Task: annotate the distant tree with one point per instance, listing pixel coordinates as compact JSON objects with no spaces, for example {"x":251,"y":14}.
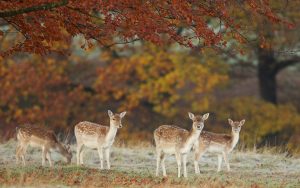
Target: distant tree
{"x":44,"y":23}
{"x":270,"y":48}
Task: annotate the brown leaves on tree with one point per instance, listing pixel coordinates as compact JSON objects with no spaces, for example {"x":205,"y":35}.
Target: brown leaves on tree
{"x":39,"y":92}
{"x":46,"y":22}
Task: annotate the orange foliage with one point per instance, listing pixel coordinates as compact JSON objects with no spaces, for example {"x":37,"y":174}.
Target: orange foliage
{"x":168,"y":82}
{"x":155,"y":86}
{"x":44,"y":23}
{"x":38,"y":91}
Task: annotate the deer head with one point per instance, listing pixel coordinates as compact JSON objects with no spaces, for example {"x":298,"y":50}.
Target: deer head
{"x":67,"y":153}
{"x":116,"y":119}
{"x":198,"y":121}
{"x":236,"y":125}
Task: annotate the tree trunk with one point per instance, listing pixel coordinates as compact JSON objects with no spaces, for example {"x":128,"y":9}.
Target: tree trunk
{"x":267,"y":75}
{"x":267,"y":83}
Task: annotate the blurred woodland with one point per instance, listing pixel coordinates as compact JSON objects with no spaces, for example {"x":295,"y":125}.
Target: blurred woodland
{"x":254,"y":75}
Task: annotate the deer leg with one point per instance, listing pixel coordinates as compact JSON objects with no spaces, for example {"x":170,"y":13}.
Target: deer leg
{"x":48,"y":155}
{"x":79,"y":153}
{"x":158,"y":156}
{"x":198,"y":154}
{"x":163,"y":166}
{"x":219,"y":162}
{"x":226,"y":161}
{"x":184,"y":156}
{"x":18,"y":152}
{"x":197,"y":157}
{"x":178,"y":159}
{"x":100,"y":152}
{"x":199,"y":151}
{"x":81,"y":156}
{"x":22,"y":151}
{"x":43,"y":155}
{"x":107,"y":150}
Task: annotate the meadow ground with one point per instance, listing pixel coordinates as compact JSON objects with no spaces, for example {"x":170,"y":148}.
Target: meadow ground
{"x":135,"y":167}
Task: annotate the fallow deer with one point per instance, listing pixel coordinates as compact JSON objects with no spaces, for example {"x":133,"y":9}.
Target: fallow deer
{"x":98,"y":137}
{"x":175,"y":140}
{"x":221,"y":144}
{"x":31,"y":135}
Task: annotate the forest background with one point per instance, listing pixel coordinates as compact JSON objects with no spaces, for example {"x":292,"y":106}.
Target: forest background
{"x":254,"y":75}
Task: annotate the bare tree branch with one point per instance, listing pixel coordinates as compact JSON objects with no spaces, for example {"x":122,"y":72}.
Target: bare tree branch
{"x":46,"y":6}
{"x":285,"y":63}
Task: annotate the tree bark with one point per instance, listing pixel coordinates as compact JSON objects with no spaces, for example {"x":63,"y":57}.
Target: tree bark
{"x":267,"y":75}
{"x":268,"y":68}
{"x":267,"y":83}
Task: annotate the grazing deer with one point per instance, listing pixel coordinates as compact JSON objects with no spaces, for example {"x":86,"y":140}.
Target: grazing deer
{"x":174,"y":140}
{"x":39,"y":137}
{"x":97,"y":136}
{"x":221,"y":144}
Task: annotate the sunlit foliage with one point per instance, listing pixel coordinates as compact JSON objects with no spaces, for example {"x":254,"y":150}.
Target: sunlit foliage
{"x":168,"y":82}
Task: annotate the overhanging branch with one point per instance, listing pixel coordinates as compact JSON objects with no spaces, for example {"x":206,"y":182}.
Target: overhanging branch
{"x":285,"y":63}
{"x":46,"y":6}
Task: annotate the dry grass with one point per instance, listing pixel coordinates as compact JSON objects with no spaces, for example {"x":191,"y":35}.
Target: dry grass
{"x":135,"y":167}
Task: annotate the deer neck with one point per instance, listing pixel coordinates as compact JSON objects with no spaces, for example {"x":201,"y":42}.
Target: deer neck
{"x":191,"y":139}
{"x":111,"y":133}
{"x":235,"y":138}
{"x":62,"y":150}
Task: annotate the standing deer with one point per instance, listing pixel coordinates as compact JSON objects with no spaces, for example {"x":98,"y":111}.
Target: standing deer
{"x":175,"y":140}
{"x":39,"y":137}
{"x":221,"y":144}
{"x":98,"y":137}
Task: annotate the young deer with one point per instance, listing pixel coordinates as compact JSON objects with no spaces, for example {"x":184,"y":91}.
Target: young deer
{"x":220,"y":144}
{"x":97,"y":136}
{"x":39,"y":137}
{"x":174,"y":140}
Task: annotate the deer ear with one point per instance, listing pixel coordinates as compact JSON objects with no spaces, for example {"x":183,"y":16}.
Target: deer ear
{"x":205,"y":116}
{"x":123,"y":114}
{"x":191,"y":115}
{"x":230,"y":121}
{"x":242,"y":122}
{"x":110,"y":113}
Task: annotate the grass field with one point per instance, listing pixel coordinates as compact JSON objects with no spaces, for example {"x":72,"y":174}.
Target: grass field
{"x":135,"y":167}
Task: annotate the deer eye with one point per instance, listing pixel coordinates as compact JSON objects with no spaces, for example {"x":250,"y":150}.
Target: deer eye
{"x":114,"y":119}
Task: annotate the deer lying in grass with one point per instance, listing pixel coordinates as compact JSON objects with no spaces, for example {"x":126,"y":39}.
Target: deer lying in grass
{"x":220,"y":144}
{"x":97,"y":136}
{"x":174,"y":140}
{"x":39,"y":137}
